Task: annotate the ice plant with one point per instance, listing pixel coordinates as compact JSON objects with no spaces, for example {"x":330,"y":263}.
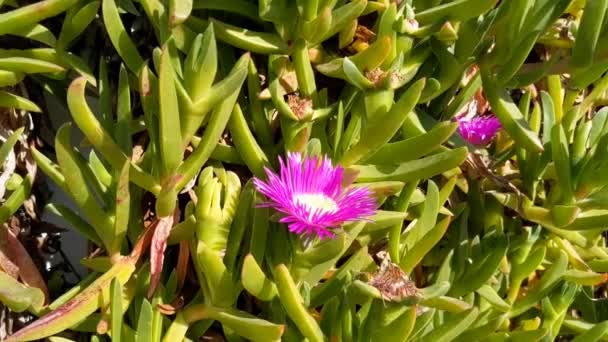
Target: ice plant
{"x":310,"y":193}
{"x":360,"y":81}
{"x":479,"y":130}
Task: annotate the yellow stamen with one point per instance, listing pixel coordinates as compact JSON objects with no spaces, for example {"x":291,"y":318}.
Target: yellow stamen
{"x":316,"y":202}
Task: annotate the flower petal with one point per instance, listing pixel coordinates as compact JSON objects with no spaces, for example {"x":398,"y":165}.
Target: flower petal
{"x":310,"y":194}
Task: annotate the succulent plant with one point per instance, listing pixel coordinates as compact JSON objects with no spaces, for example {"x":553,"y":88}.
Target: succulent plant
{"x":341,"y":170}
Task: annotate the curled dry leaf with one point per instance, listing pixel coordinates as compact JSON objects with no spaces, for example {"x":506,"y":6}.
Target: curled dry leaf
{"x":482,"y":103}
{"x":173,"y":307}
{"x":182,"y":264}
{"x":364,"y":34}
{"x":8,"y":169}
{"x":470,"y":73}
{"x":157,"y":250}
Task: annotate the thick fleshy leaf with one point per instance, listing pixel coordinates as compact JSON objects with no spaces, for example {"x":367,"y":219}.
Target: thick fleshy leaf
{"x":77,"y":186}
{"x":200,"y":66}
{"x":19,"y":297}
{"x":411,"y":257}
{"x":412,"y":170}
{"x":75,"y":221}
{"x":293,"y":303}
{"x":122,"y":130}
{"x":29,"y":65}
{"x":342,"y":16}
{"x":199,"y":109}
{"x":243,"y":8}
{"x":354,"y":76}
{"x":397,"y":323}
{"x":258,"y":42}
{"x":317,"y":272}
{"x":8,"y":145}
{"x":304,"y":71}
{"x":588,"y":33}
{"x":255,"y":282}
{"x":179,"y":11}
{"x":366,"y":60}
{"x":123,"y":204}
{"x":342,"y":277}
{"x":27,"y":15}
{"x":445,"y":303}
{"x":76,"y":309}
{"x":10,"y":78}
{"x":459,"y":10}
{"x":548,"y":281}
{"x":453,"y":327}
{"x":28,"y":273}
{"x":405,"y":72}
{"x":450,"y":71}
{"x":169,"y":118}
{"x":414,"y":147}
{"x":377,"y":134}
{"x":242,"y":323}
{"x":144,"y":322}
{"x":427,"y":219}
{"x":594,"y":334}
{"x":99,"y":137}
{"x":238,"y":210}
{"x":422,"y":322}
{"x":247,"y":146}
{"x":119,"y":36}
{"x":116,"y":311}
{"x":182,"y":231}
{"x":76,"y":22}
{"x":510,"y":117}
{"x":215,"y":127}
{"x":9,"y":100}
{"x":37,"y":33}
{"x":492,"y":250}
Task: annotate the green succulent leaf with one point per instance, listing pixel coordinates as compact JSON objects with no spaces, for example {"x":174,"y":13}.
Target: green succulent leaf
{"x":411,"y":170}
{"x":119,"y":36}
{"x":27,"y":15}
{"x":19,"y":297}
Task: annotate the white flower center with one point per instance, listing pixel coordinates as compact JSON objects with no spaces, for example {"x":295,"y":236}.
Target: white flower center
{"x":316,"y":202}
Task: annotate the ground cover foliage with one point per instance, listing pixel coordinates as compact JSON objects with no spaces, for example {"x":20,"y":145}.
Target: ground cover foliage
{"x":321,"y":170}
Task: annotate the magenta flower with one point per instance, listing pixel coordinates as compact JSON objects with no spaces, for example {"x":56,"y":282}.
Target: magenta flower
{"x":479,"y":130}
{"x":310,"y":195}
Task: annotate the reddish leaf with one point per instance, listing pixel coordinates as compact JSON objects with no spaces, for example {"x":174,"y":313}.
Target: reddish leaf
{"x":182,"y":264}
{"x":157,"y":251}
{"x":28,"y":272}
{"x":8,"y":266}
{"x":143,"y":241}
{"x":85,"y":303}
{"x":171,"y":309}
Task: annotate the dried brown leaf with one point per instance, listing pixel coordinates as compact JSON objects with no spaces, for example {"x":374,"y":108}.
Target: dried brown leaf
{"x":157,"y":251}
{"x":182,"y":264}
